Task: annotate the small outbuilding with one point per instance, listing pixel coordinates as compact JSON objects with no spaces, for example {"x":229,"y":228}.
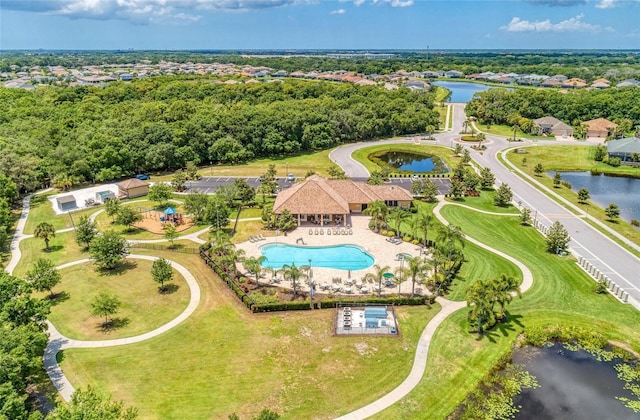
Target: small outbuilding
{"x":66,"y":202}
{"x":104,"y":196}
{"x":132,"y":188}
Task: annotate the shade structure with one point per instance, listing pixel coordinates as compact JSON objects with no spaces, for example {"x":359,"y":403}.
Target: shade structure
{"x":170,"y":210}
{"x":403,"y":256}
{"x":387,"y":275}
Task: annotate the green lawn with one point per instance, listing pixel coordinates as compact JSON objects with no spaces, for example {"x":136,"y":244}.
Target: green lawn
{"x":143,"y":307}
{"x":63,"y":249}
{"x":507,"y":131}
{"x":561,"y":294}
{"x":224,"y":359}
{"x":484,"y":202}
{"x":361,"y":155}
{"x":42,"y":211}
{"x":574,"y":158}
{"x":298,"y":165}
{"x":479,"y":264}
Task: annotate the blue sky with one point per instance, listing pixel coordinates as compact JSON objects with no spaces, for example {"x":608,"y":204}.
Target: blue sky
{"x":319,"y":24}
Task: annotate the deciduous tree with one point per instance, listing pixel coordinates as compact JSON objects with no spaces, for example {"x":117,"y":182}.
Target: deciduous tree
{"x":85,"y":231}
{"x":44,"y":276}
{"x":105,"y":305}
{"x":161,"y":272}
{"x":108,"y":250}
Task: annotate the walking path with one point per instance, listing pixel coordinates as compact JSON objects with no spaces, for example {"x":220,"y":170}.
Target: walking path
{"x":58,"y":342}
{"x":422,"y":350}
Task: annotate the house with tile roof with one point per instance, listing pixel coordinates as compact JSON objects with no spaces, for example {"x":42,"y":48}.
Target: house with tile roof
{"x":330,"y":201}
{"x":552,"y":126}
{"x":600,"y":128}
{"x":131,"y":188}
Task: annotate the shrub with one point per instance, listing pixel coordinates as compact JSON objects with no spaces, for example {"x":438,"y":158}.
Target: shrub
{"x":407,"y":238}
{"x":635,"y":223}
{"x":390,"y":233}
{"x":415,"y":242}
{"x":384,"y":232}
{"x":566,"y":184}
{"x":614,"y":161}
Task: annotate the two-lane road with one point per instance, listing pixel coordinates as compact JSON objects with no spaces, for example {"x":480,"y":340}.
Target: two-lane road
{"x":607,"y":256}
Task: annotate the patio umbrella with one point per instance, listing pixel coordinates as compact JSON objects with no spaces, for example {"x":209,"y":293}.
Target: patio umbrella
{"x":170,"y":211}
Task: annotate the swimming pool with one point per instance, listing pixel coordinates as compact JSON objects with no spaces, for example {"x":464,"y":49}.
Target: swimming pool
{"x":342,"y":257}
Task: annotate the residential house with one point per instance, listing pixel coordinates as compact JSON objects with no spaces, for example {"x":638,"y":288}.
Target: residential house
{"x":453,"y":74}
{"x":628,"y":83}
{"x":600,"y":128}
{"x":430,"y":74}
{"x":552,"y":126}
{"x":330,"y":201}
{"x":600,"y":84}
{"x":417,"y":84}
{"x":280,"y":73}
{"x":551,"y":83}
{"x":574,"y":83}
{"x":628,"y":149}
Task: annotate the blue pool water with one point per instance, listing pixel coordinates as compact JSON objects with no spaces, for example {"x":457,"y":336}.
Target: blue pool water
{"x":342,"y":257}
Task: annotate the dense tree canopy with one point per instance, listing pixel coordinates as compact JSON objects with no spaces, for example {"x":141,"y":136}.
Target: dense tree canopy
{"x":518,"y":107}
{"x":101,"y":133}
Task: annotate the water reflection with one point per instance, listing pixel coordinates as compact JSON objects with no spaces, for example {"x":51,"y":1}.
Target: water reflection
{"x":404,"y":161}
{"x":573,"y":385}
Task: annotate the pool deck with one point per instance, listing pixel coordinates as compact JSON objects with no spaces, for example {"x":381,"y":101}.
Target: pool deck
{"x":382,"y":251}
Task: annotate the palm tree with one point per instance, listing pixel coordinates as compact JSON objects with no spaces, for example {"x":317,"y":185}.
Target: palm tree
{"x":480,"y":299}
{"x":505,"y":288}
{"x":416,"y":268}
{"x":515,"y":131}
{"x":293,"y":273}
{"x":398,"y":216}
{"x":401,"y":273}
{"x":377,"y":275}
{"x":465,"y":125}
{"x":425,"y":221}
{"x":45,"y":231}
{"x":254,"y":266}
{"x":437,"y":262}
{"x":378,"y":212}
{"x":451,"y":235}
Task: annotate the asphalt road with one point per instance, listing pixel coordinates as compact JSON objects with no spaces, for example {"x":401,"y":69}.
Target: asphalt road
{"x":607,"y":256}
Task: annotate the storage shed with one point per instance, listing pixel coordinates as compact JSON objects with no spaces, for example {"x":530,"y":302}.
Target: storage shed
{"x":103,"y":196}
{"x":66,"y":202}
{"x":132,"y":188}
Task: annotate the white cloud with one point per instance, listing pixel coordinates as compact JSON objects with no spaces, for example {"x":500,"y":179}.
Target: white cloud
{"x":356,"y":3}
{"x":606,"y":4}
{"x":395,"y":3}
{"x":562,"y":3}
{"x":574,"y":24}
{"x":141,"y":10}
{"x":338,"y":12}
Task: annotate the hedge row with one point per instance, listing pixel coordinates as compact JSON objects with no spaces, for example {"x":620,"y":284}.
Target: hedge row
{"x":304,"y":305}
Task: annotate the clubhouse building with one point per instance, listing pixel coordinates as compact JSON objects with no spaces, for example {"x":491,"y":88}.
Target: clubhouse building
{"x":322,"y":201}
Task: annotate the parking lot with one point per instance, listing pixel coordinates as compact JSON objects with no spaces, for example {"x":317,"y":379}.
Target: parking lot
{"x":209,"y":185}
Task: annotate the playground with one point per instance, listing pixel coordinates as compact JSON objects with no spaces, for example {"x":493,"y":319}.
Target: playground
{"x":156,"y":221}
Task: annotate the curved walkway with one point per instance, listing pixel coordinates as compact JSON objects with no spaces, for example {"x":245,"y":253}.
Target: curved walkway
{"x":422,"y":350}
{"x":58,"y":342}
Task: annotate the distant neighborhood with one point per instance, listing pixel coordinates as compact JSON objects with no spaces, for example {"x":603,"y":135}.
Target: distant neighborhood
{"x":30,"y":77}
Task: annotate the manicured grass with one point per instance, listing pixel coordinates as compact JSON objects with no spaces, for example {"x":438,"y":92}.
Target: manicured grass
{"x":361,"y":155}
{"x":63,"y":249}
{"x":298,"y":165}
{"x":574,"y":158}
{"x":480,"y":264}
{"x":441,"y":94}
{"x":249,"y":212}
{"x":484,"y":202}
{"x":561,"y":294}
{"x":507,"y":131}
{"x":143,"y":307}
{"x":224,"y":359}
{"x":42,"y":211}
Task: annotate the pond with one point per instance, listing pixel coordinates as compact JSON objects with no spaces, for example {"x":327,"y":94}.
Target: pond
{"x":573,"y":385}
{"x":605,"y":190}
{"x":414,"y":162}
{"x":462,"y":91}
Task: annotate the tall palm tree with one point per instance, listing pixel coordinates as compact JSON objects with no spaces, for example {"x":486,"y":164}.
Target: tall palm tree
{"x":401,"y":274}
{"x":378,"y":212}
{"x":398,"y":216}
{"x":377,"y":275}
{"x":451,"y":235}
{"x":505,"y":288}
{"x":254,"y":266}
{"x":293,"y":273}
{"x":232,"y":257}
{"x":480,"y":298}
{"x":425,"y":221}
{"x":45,"y":231}
{"x":416,"y":270}
{"x":438,"y":261}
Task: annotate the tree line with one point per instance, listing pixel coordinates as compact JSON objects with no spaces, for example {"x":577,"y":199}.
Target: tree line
{"x":588,"y":65}
{"x":98,"y":134}
{"x":521,"y":106}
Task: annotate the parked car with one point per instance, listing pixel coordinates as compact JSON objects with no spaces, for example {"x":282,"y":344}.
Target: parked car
{"x":143,"y":177}
{"x":291,"y":178}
